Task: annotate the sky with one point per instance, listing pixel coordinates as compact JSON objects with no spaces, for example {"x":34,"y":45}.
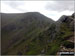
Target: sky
{"x":51,"y":9}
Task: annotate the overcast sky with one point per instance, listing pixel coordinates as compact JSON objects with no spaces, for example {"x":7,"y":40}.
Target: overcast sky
{"x":51,"y":9}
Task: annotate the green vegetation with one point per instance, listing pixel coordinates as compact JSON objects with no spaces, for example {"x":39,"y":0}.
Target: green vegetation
{"x":43,"y":42}
{"x":34,"y":34}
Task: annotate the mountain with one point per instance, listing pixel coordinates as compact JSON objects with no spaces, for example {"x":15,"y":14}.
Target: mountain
{"x":65,"y":27}
{"x":33,"y":34}
{"x":18,"y":29}
{"x":59,"y":37}
{"x":69,"y":20}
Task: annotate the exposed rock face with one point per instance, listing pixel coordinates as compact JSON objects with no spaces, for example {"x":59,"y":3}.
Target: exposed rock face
{"x":69,"y":20}
{"x":66,"y":26}
{"x":73,"y":15}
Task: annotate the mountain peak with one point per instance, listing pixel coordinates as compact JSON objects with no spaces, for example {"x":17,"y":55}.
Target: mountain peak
{"x":73,"y":15}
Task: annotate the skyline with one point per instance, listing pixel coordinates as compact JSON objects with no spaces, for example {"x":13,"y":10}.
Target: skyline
{"x":51,"y":9}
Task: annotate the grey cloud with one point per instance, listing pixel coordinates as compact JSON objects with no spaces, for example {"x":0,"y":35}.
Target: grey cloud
{"x":61,"y":6}
{"x":14,"y":4}
{"x":56,"y":6}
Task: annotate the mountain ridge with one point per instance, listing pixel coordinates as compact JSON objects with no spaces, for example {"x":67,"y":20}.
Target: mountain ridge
{"x":19,"y":26}
{"x":24,"y":32}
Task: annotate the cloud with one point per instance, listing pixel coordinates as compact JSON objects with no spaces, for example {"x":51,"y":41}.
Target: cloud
{"x":51,"y":9}
{"x":8,"y":9}
{"x":61,"y":6}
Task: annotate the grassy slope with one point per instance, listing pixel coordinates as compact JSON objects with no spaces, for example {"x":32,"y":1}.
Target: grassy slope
{"x":36,"y":40}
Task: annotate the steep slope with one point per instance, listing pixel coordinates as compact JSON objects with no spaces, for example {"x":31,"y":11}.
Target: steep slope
{"x":61,"y":33}
{"x":66,"y":32}
{"x":32,"y":34}
{"x":18,"y":30}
